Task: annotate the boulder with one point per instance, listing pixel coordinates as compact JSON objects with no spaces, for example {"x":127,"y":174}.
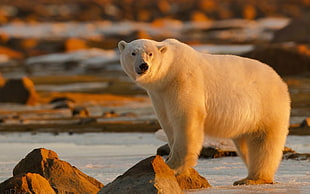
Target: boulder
{"x":2,"y":81}
{"x":206,"y":152}
{"x":297,"y":156}
{"x":192,"y":180}
{"x":297,"y":30}
{"x":63,"y":177}
{"x":150,"y":175}
{"x":286,"y":59}
{"x":305,"y":122}
{"x":35,"y":162}
{"x":26,"y":183}
{"x":13,"y":54}
{"x":18,"y":91}
{"x":289,"y":153}
{"x":163,"y":150}
{"x":73,"y":44}
{"x":211,"y":152}
{"x":153,"y":175}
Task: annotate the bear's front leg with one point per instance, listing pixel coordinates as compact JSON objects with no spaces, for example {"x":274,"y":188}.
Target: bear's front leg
{"x":188,"y":140}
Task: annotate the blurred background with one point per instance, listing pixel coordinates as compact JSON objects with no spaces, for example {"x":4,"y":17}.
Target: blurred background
{"x":61,"y":57}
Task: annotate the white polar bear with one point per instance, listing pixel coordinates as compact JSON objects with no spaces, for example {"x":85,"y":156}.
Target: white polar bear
{"x":196,"y":94}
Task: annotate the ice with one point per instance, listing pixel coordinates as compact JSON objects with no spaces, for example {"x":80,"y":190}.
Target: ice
{"x":105,"y":156}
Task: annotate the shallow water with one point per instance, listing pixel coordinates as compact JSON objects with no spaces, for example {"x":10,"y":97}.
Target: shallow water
{"x":105,"y":156}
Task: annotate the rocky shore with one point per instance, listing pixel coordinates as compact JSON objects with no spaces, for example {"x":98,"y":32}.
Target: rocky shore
{"x":42,"y":170}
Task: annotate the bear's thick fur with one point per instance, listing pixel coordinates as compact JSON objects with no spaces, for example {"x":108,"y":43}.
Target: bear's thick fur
{"x":196,"y":94}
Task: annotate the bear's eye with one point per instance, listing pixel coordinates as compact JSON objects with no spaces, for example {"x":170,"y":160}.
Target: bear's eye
{"x":133,"y":54}
{"x":150,"y":54}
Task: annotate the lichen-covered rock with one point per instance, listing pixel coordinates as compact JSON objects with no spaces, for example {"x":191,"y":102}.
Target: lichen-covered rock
{"x":151,"y":175}
{"x":26,"y":183}
{"x":63,"y":177}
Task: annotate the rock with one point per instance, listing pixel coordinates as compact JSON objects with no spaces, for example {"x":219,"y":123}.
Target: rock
{"x":297,"y":30}
{"x":306,"y":122}
{"x":151,"y":175}
{"x":73,"y":44}
{"x":285,"y":59}
{"x":289,"y":153}
{"x":297,"y":156}
{"x":210,"y":152}
{"x":80,"y":111}
{"x":26,"y":183}
{"x":18,"y":91}
{"x":288,"y":150}
{"x":11,"y":53}
{"x":61,"y":99}
{"x":63,"y":177}
{"x":87,"y":120}
{"x":163,"y":150}
{"x":110,"y":114}
{"x":62,"y":103}
{"x":35,"y":162}
{"x":2,"y":81}
{"x":192,"y":180}
{"x":206,"y":152}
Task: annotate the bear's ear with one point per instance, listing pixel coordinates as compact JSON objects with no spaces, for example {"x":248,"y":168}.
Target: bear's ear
{"x":121,"y":45}
{"x":162,"y":49}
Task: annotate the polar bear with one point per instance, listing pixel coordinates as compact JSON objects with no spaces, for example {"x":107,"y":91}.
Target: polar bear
{"x":196,"y":94}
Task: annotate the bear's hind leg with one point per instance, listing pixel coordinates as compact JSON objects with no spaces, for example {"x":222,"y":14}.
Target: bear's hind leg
{"x":242,"y":148}
{"x":264,"y":155}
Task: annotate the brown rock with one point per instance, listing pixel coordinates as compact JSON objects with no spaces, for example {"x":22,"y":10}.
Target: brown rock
{"x":297,"y":30}
{"x":192,"y":180}
{"x":210,"y":152}
{"x":306,"y":122}
{"x":288,"y":150}
{"x":63,"y":177}
{"x":206,"y":152}
{"x":11,"y":53}
{"x":163,"y":150}
{"x":18,"y":91}
{"x":2,"y":81}
{"x":26,"y":183}
{"x":297,"y":156}
{"x":285,"y":59}
{"x":151,"y":175}
{"x":35,"y":162}
{"x":73,"y":44}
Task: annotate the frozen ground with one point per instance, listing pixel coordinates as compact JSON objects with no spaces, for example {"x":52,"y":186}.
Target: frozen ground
{"x":104,"y":156}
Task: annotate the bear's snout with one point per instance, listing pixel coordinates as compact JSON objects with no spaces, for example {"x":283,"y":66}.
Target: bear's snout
{"x":143,"y":68}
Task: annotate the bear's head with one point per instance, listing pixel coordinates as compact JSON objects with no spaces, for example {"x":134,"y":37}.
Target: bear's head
{"x":142,"y":59}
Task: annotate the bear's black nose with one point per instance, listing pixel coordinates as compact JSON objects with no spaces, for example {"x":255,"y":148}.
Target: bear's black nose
{"x":143,"y":67}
